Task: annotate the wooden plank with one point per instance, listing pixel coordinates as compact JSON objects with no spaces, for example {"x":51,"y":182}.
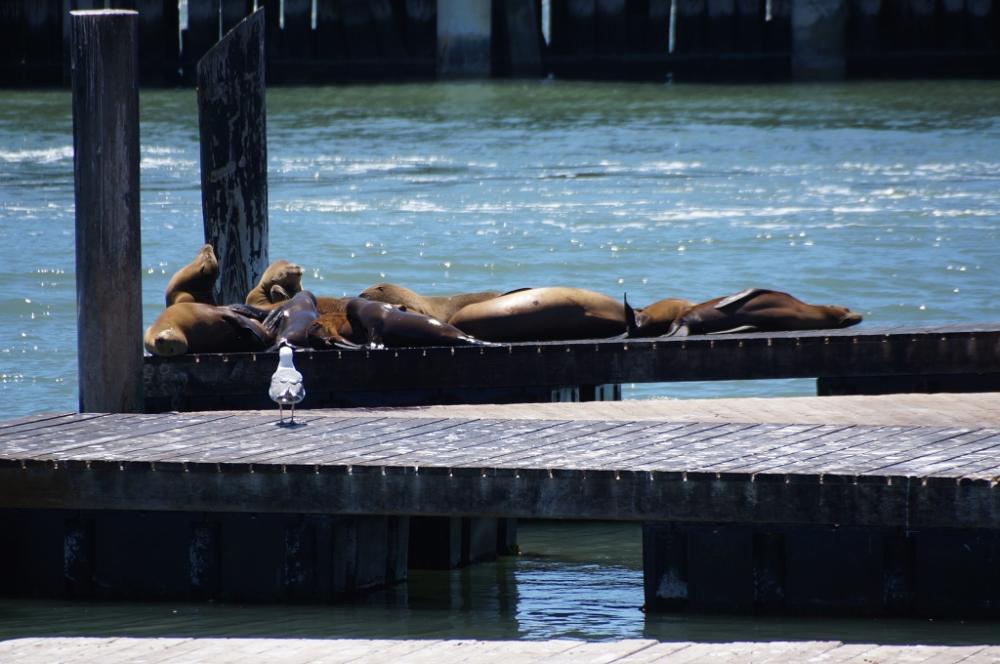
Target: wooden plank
{"x":332,"y":452}
{"x":34,"y":422}
{"x":105,"y":85}
{"x":233,"y":137}
{"x":943,"y":458}
{"x":97,"y":442}
{"x":223,"y":445}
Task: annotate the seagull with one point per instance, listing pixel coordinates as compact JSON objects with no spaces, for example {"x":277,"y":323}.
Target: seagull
{"x":286,"y":384}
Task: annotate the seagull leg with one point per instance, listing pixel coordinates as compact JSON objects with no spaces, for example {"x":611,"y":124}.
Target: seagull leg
{"x":281,"y":414}
{"x":292,"y":420}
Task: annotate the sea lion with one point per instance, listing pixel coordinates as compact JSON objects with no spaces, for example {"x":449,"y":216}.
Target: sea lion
{"x":654,"y":320}
{"x":280,"y":281}
{"x":441,"y":307}
{"x":290,"y":321}
{"x":384,"y":325}
{"x":758,"y":309}
{"x":194,"y":327}
{"x":195,"y":281}
{"x":333,"y":330}
{"x":543,"y":314}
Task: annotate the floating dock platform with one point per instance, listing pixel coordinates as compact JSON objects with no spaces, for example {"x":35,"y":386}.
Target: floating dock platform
{"x":887,"y":518}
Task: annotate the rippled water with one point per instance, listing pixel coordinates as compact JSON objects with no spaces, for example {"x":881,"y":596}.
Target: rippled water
{"x":884,"y":197}
{"x":880,"y":196}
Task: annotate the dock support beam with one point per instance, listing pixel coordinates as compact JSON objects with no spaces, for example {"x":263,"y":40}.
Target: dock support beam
{"x":818,"y":40}
{"x":821,"y":569}
{"x":233,"y":136}
{"x":105,"y":82}
{"x":463,"y":38}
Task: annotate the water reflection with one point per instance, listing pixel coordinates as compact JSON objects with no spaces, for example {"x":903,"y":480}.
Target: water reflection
{"x":573,"y":580}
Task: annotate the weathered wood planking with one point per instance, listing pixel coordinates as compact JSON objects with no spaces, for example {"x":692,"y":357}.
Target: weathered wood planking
{"x":442,"y":375}
{"x":334,"y":651}
{"x":642,"y":470}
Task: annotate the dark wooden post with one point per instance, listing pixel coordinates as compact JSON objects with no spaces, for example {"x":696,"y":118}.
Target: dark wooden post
{"x":233,"y":134}
{"x":105,"y":81}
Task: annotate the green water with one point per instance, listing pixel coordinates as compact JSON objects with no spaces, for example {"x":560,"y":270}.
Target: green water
{"x":884,"y":197}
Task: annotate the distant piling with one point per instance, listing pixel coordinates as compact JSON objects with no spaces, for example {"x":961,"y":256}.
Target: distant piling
{"x":105,"y":83}
{"x":464,"y":38}
{"x":819,"y":40}
{"x":233,"y":136}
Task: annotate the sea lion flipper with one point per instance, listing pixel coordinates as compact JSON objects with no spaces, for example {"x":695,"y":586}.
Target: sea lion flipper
{"x":678,"y":330}
{"x":631,"y":326}
{"x":737,"y":298}
{"x":250,"y":325}
{"x":249,"y":311}
{"x":737,"y":330}
{"x":278,"y":294}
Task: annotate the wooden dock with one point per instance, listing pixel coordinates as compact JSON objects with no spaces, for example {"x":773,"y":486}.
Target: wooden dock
{"x":954,"y":358}
{"x":899,"y":518}
{"x":342,"y":651}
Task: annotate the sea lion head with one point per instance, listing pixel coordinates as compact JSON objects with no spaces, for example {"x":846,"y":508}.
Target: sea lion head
{"x":168,"y":343}
{"x":280,"y":281}
{"x":843,"y":316}
{"x":194,"y":282}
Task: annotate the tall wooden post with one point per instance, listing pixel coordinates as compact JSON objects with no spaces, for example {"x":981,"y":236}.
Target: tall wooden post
{"x":463,"y":38}
{"x":233,"y":134}
{"x":105,"y":81}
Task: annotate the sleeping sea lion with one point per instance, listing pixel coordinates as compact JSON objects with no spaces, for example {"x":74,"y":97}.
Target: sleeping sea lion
{"x":384,"y":325}
{"x":195,"y":281}
{"x":193,"y":327}
{"x":280,"y":281}
{"x":543,"y":314}
{"x":654,"y":320}
{"x":758,"y":309}
{"x":333,"y":330}
{"x":441,"y":307}
{"x":290,"y":321}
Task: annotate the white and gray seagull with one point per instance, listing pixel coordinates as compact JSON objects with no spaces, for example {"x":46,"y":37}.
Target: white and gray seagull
{"x":286,"y":384}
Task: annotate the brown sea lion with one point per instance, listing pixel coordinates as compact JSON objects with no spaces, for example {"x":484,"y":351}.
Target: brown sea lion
{"x":441,"y":307}
{"x":290,"y":321}
{"x":384,"y":325}
{"x":193,"y":327}
{"x":758,"y":309}
{"x":195,"y":281}
{"x":543,"y":314}
{"x":280,"y":281}
{"x":332,"y":329}
{"x":655,"y":320}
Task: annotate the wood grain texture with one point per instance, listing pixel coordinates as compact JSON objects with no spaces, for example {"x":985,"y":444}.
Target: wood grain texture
{"x":233,"y":136}
{"x":105,"y":84}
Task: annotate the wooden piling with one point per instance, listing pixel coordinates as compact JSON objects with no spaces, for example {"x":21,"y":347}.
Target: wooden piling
{"x":105,"y":86}
{"x":463,"y":38}
{"x":818,"y":39}
{"x":233,"y":134}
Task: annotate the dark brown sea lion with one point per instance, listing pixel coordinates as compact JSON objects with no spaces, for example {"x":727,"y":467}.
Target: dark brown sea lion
{"x":280,"y":281}
{"x":543,"y":314}
{"x":757,"y":309}
{"x":290,"y":321}
{"x":193,"y":327}
{"x":441,"y":307}
{"x":195,"y":281}
{"x":655,"y":320}
{"x":384,"y":325}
